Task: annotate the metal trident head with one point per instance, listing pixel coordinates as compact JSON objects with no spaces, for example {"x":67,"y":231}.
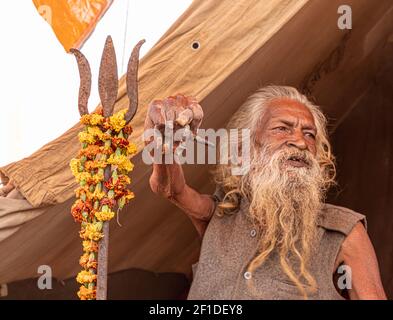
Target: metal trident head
{"x":108,"y":80}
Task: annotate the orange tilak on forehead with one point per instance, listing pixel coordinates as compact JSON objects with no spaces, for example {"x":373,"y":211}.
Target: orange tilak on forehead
{"x":288,"y":109}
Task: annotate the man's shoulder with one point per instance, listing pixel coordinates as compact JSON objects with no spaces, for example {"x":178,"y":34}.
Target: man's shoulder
{"x":341,"y":219}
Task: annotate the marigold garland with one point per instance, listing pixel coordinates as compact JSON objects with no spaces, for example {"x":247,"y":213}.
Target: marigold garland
{"x":104,"y":143}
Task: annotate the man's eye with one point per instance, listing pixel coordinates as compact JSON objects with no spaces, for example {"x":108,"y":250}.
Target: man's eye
{"x":310,"y":135}
{"x":281,"y":128}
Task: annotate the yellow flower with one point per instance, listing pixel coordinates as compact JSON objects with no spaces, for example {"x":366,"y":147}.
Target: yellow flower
{"x":98,"y":195}
{"x":121,"y":161}
{"x":105,"y":136}
{"x":92,"y":232}
{"x":95,"y":131}
{"x":90,"y":246}
{"x":125,"y":179}
{"x":104,"y":216}
{"x":82,"y":176}
{"x":98,"y":178}
{"x":131,"y":149}
{"x":86,"y":277}
{"x":74,"y":165}
{"x":130,"y":196}
{"x":95,"y":164}
{"x":96,"y":119}
{"x":92,"y":119}
{"x":86,"y":137}
{"x":117,"y":121}
{"x":85,"y":119}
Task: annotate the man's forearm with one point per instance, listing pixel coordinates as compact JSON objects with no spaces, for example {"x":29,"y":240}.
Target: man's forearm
{"x":168,"y":181}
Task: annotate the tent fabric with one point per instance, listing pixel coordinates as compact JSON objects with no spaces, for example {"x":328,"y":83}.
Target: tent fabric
{"x":171,"y":66}
{"x":365,"y":166}
{"x":242,"y":45}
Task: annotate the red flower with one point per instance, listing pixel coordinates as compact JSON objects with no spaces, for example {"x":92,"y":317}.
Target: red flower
{"x":109,"y":202}
{"x":120,"y":142}
{"x":109,"y":184}
{"x":127,"y":130}
{"x":79,"y":207}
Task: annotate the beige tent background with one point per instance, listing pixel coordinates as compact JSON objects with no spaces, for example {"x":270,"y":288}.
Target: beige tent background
{"x":242,"y":45}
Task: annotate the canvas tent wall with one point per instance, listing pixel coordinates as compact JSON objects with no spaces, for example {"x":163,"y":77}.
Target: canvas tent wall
{"x":242,"y":45}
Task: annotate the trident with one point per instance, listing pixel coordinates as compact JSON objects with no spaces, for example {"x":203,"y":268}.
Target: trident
{"x":107,"y":88}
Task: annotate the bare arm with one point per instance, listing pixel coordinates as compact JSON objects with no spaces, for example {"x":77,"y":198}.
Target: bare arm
{"x":168,"y":179}
{"x":358,"y":253}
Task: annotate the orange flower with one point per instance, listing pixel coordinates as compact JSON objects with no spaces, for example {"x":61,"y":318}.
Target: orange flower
{"x":92,"y":231}
{"x":76,"y":211}
{"x":87,"y":263}
{"x":87,"y":294}
{"x":81,"y":190}
{"x":90,"y":246}
{"x":109,"y":202}
{"x":94,"y":164}
{"x":84,"y":260}
{"x":79,"y":207}
{"x":90,"y":152}
{"x":86,"y":277}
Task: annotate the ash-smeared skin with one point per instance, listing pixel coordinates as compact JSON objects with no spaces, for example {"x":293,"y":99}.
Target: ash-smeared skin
{"x":168,"y":179}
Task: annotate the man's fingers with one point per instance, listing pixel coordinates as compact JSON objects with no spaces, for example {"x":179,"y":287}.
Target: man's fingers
{"x":155,"y":112}
{"x":169,"y":114}
{"x":154,"y":119}
{"x":184,"y":117}
{"x":197,"y":117}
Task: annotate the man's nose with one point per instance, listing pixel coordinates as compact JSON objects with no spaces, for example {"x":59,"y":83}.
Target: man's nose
{"x":297,"y":140}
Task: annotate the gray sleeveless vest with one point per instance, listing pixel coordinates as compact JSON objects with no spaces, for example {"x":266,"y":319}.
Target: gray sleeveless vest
{"x":231,"y":242}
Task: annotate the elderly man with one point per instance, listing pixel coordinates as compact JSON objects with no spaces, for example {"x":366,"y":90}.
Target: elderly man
{"x":268,"y":234}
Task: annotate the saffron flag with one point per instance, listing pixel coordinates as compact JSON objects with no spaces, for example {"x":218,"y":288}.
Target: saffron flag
{"x":72,"y":20}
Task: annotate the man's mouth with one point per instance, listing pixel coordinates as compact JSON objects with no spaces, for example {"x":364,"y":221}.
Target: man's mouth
{"x":296,"y":161}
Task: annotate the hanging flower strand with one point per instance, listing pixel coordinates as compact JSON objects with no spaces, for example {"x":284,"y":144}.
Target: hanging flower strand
{"x":104,"y":143}
{"x":102,"y":166}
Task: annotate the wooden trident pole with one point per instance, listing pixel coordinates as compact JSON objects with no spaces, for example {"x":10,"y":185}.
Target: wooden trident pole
{"x":108,"y":89}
